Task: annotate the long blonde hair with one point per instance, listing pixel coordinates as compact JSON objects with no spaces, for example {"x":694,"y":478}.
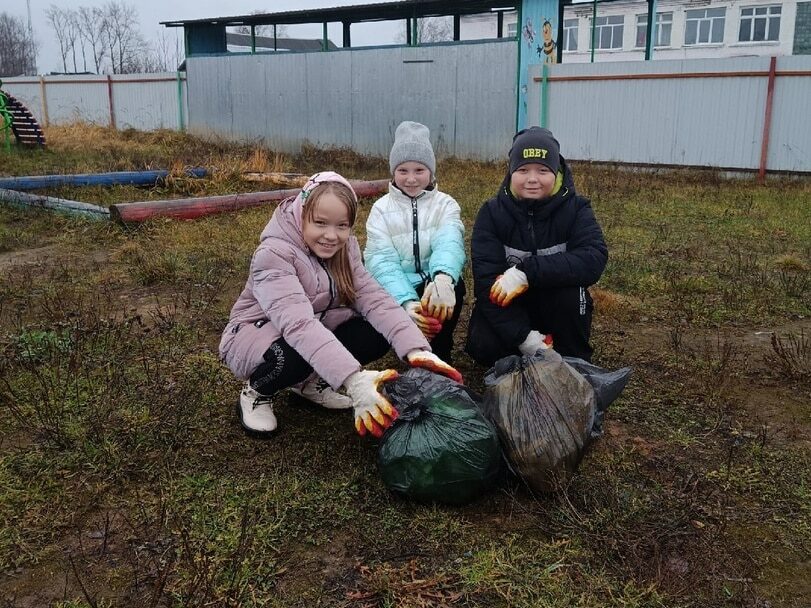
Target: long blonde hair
{"x":338,"y":265}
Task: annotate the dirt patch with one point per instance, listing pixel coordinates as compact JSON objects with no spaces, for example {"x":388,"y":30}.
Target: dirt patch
{"x":623,"y":435}
{"x":81,"y":561}
{"x":776,"y":405}
{"x":28,"y":256}
{"x":44,"y":254}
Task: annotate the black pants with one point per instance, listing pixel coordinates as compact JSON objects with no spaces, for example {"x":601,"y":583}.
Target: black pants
{"x":564,"y":312}
{"x":442,"y":344}
{"x":284,"y":367}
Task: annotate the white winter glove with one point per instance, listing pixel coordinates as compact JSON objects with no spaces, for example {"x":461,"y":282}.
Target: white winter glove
{"x":373,"y":412}
{"x":508,"y":286}
{"x":429,"y":326}
{"x":439,"y":299}
{"x":535,"y":341}
{"x":428,"y":360}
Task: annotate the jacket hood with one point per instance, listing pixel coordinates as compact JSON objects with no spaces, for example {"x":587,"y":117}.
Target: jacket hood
{"x":544,"y":206}
{"x":286,"y":220}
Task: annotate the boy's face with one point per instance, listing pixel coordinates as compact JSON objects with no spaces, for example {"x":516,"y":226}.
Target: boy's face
{"x":412,"y":177}
{"x":532,"y":181}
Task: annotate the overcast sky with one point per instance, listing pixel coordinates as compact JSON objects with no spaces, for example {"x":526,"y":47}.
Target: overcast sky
{"x":152,"y":12}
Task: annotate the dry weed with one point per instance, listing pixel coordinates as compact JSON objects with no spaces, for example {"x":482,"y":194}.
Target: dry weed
{"x":612,"y":305}
{"x":791,"y":355}
{"x":791,"y":263}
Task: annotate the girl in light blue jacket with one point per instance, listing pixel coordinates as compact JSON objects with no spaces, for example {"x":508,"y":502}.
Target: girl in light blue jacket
{"x":415,"y":244}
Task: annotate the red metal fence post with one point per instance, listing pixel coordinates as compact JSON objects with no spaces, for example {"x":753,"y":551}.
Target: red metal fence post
{"x":767,"y":122}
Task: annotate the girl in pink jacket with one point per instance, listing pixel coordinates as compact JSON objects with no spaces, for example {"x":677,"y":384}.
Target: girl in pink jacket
{"x":309,"y":305}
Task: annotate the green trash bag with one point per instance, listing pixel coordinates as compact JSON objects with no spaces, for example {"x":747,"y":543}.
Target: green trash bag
{"x":441,"y":448}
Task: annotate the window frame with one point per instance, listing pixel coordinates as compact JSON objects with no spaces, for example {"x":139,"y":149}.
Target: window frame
{"x":569,"y":30}
{"x":710,"y":19}
{"x":599,"y":27}
{"x":658,"y":42}
{"x":769,"y":18}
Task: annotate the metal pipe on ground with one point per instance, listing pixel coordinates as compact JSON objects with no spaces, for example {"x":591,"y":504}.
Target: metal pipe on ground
{"x":134,"y":178}
{"x":24,"y":199}
{"x":190,"y":208}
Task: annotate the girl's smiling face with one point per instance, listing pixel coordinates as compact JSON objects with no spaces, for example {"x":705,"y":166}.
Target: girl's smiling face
{"x":329,"y":227}
{"x":412,"y":177}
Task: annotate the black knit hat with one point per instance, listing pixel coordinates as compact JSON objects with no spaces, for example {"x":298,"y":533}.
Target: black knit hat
{"x":535,"y":145}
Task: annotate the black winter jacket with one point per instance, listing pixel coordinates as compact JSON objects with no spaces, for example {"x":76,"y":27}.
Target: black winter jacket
{"x":556,"y":241}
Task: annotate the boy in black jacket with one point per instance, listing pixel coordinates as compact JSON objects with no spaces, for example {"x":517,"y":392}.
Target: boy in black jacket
{"x":536,"y":248}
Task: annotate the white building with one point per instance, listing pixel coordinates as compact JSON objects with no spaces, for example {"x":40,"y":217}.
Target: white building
{"x":686,"y":29}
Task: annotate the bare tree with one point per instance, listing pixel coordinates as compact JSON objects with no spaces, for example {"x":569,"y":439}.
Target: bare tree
{"x":109,"y":37}
{"x":124,"y":42}
{"x":431,"y":29}
{"x":18,"y":52}
{"x":71,"y":27}
{"x":262,"y":30}
{"x":167,"y":51}
{"x":435,"y":29}
{"x":163,"y":55}
{"x":59,"y":19}
{"x":91,"y":24}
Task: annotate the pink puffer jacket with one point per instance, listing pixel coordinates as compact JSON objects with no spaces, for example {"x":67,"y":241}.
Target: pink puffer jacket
{"x":289,"y":289}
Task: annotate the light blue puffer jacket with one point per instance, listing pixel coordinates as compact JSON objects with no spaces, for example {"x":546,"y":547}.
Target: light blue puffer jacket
{"x":391,"y":244}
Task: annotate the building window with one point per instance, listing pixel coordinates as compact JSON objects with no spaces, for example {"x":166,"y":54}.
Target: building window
{"x":608,"y":33}
{"x":570,"y":34}
{"x":705,"y":26}
{"x":512,"y":29}
{"x":664,"y":25}
{"x":760,"y":23}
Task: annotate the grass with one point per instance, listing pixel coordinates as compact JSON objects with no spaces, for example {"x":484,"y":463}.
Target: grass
{"x":126,"y":481}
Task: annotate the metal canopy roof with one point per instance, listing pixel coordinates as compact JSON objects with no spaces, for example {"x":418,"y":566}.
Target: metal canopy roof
{"x":384,"y":11}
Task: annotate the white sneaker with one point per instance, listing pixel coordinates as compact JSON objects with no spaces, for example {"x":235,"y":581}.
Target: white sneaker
{"x":320,"y":392}
{"x":256,"y":412}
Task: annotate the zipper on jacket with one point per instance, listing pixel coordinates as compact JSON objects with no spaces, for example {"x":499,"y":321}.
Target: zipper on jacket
{"x":532,"y":227}
{"x":415,"y":239}
{"x":332,"y":293}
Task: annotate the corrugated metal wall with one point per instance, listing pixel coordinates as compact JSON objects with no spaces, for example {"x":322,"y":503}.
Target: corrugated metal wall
{"x":702,"y":112}
{"x":790,"y":145}
{"x":679,"y":112}
{"x":140,"y":101}
{"x":465,"y":93}
{"x":146,"y":105}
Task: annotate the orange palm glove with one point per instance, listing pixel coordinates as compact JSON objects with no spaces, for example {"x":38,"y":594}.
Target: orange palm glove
{"x":429,"y":326}
{"x":508,"y":286}
{"x":429,"y":361}
{"x":373,"y":412}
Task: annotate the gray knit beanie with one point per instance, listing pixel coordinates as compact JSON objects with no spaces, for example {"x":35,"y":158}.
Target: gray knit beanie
{"x":411,"y":143}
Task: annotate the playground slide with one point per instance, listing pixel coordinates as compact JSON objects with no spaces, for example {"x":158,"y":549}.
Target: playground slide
{"x":15,"y":117}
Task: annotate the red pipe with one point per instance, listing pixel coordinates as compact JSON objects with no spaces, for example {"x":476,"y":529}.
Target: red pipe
{"x":190,"y":208}
{"x":767,"y":123}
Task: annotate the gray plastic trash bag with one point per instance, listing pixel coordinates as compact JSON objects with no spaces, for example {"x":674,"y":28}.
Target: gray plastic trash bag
{"x":441,"y":448}
{"x":546,"y":410}
{"x":607,"y":387}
